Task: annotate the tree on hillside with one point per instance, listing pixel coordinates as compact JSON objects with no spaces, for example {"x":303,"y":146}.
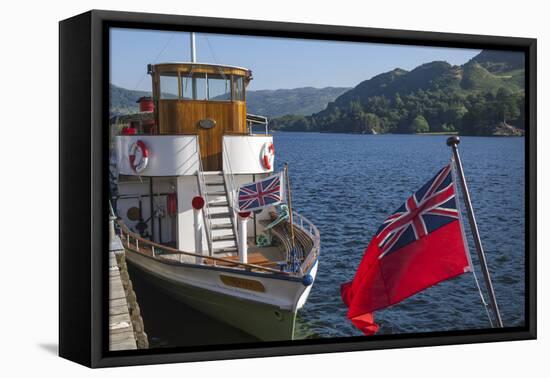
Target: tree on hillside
{"x":506,"y":105}
{"x":372,"y":122}
{"x":420,"y":125}
{"x":448,"y":127}
{"x":356,"y":117}
{"x":432,"y":98}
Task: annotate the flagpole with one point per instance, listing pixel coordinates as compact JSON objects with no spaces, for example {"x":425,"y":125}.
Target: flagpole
{"x":289,"y":201}
{"x":453,"y":143}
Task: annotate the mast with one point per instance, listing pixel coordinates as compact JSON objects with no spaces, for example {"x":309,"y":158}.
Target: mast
{"x":193,"y":52}
{"x":193,"y":60}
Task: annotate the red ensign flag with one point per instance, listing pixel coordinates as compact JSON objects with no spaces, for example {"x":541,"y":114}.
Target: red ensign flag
{"x":419,"y":245}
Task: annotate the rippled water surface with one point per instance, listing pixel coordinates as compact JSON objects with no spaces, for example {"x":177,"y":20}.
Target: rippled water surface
{"x":347,"y":185}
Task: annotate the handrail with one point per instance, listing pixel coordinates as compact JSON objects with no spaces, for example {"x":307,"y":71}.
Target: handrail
{"x":311,"y":230}
{"x":253,"y":119}
{"x":127,"y":233}
{"x":231,"y":190}
{"x":203,"y":193}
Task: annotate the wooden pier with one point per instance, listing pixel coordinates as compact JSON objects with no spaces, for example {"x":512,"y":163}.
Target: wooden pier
{"x":121,"y":330}
{"x":126,"y":330}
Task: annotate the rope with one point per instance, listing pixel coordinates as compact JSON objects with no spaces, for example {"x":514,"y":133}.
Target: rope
{"x":216,"y":61}
{"x":485,"y":304}
{"x":155,"y":60}
{"x":211,"y":49}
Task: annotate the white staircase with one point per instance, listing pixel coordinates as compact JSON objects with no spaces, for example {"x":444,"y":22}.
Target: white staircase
{"x":218,"y":214}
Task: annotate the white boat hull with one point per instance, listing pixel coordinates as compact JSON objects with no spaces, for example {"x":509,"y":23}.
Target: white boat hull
{"x":262,"y":305}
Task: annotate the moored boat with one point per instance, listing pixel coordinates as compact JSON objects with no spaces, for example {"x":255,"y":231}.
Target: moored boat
{"x":176,"y":199}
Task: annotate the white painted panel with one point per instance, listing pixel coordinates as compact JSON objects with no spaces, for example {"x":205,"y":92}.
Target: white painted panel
{"x":169,"y":155}
{"x":244,"y":153}
{"x":187,"y":189}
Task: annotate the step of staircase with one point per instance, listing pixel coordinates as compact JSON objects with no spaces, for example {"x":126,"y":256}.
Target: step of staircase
{"x":216,"y":193}
{"x":224,"y":250}
{"x":223,"y":237}
{"x":222,"y":226}
{"x":218,"y":204}
{"x":222,"y":232}
{"x":224,"y":215}
{"x":212,"y":173}
{"x":224,"y":244}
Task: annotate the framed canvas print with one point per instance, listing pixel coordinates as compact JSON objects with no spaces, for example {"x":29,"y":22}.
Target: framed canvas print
{"x":235,"y":188}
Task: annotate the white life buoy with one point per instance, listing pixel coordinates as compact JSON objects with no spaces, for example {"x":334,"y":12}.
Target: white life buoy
{"x":138,"y":156}
{"x":268,"y":155}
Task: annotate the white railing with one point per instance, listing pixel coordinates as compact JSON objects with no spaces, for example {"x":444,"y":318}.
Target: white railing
{"x":304,"y":224}
{"x":134,"y":242}
{"x":231,"y":190}
{"x":206,"y":208}
{"x":254,"y":120}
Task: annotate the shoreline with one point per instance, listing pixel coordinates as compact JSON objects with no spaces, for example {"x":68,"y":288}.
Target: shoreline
{"x":411,"y":134}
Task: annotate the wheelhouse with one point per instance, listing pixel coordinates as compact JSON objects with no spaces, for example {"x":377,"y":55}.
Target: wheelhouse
{"x":201,"y":99}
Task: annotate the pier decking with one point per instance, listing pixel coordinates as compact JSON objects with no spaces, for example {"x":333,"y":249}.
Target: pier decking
{"x":126,"y":330}
{"x":121,"y":330}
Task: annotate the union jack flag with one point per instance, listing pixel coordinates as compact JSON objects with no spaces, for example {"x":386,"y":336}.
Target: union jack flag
{"x":261,"y":194}
{"x":428,"y":209}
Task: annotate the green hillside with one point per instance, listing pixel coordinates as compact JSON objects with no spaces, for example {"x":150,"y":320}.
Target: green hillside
{"x":475,"y":99}
{"x":123,"y":101}
{"x":500,"y":61}
{"x":270,"y":103}
{"x":300,"y":101}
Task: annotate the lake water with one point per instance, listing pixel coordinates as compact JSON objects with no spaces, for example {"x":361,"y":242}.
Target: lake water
{"x":347,"y":185}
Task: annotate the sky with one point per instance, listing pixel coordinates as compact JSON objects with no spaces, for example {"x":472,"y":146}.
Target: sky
{"x":276,"y":63}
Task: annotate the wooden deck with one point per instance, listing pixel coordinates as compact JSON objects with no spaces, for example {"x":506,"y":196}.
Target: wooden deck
{"x":260,"y":256}
{"x":121,"y":331}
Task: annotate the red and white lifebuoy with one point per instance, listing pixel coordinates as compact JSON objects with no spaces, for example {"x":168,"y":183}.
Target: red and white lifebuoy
{"x":138,"y":156}
{"x":268,"y":155}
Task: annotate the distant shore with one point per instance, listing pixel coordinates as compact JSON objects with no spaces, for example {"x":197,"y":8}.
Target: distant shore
{"x":441,"y":133}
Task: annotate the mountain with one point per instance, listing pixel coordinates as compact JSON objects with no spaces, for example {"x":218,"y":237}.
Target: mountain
{"x":473,"y":99}
{"x":300,"y":101}
{"x":123,"y":101}
{"x":270,"y":103}
{"x":500,"y":61}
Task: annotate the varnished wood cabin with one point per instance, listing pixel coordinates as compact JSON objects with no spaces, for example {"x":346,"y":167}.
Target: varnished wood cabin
{"x":201,"y":99}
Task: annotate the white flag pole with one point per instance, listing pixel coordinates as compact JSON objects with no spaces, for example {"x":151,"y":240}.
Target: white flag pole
{"x":453,"y":143}
{"x":289,"y":201}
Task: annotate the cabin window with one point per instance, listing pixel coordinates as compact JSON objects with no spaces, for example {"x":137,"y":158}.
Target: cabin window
{"x":186,"y":87}
{"x":193,"y":87}
{"x":219,"y":88}
{"x":202,"y":86}
{"x":169,"y":86}
{"x":238,"y":88}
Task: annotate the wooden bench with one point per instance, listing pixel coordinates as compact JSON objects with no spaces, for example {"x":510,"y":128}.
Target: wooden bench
{"x":303,"y":242}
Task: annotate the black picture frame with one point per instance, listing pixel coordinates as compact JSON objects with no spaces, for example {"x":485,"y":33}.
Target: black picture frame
{"x":83,"y":164}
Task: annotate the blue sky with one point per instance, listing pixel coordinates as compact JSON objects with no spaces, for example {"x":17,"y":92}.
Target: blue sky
{"x":275,"y":62}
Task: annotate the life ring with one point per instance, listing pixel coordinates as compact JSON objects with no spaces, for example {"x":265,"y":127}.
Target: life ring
{"x":138,"y":156}
{"x":268,"y":155}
